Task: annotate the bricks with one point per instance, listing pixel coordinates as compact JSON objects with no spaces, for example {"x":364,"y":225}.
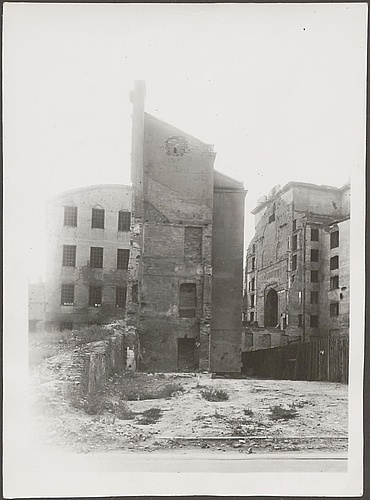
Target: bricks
{"x":291,"y":256}
{"x":174,"y":209}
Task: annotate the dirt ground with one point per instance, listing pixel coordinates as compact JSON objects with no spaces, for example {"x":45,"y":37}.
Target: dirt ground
{"x":258,"y":415}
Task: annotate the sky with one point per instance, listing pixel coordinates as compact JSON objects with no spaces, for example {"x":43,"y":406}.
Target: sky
{"x":279,"y":89}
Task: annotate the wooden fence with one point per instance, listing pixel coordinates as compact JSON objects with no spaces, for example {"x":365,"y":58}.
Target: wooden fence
{"x":324,"y":359}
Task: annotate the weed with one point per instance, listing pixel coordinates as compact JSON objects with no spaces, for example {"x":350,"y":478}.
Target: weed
{"x":214,"y":395}
{"x":248,"y":412}
{"x":280,"y":413}
{"x":150,"y":416}
{"x":138,"y":393}
{"x":122,"y":411}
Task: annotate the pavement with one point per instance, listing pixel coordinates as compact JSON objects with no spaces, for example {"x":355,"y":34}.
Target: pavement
{"x":190,"y":461}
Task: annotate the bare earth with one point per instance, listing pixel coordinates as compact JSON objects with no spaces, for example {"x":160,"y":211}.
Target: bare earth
{"x":311,"y":416}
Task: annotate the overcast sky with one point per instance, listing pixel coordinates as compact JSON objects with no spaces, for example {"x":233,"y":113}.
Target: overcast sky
{"x":279,"y":89}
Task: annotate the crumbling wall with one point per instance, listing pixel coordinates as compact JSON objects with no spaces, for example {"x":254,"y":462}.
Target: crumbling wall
{"x":93,"y":363}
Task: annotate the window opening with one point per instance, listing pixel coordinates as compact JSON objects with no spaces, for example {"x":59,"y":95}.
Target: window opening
{"x":334,"y":309}
{"x":334,"y":282}
{"x":135,"y":293}
{"x":97,"y":220}
{"x":187,"y":300}
{"x":294,"y":262}
{"x":124,"y":221}
{"x":314,"y":321}
{"x":334,"y":262}
{"x":294,"y":224}
{"x":121,"y":292}
{"x":314,"y":256}
{"x":96,"y":257}
{"x":252,"y":300}
{"x":314,"y":276}
{"x":95,"y":296}
{"x":295,"y":242}
{"x":67,"y":295}
{"x":69,"y":255}
{"x":314,"y":297}
{"x":123,"y":256}
{"x":314,"y":234}
{"x":334,"y":239}
{"x":300,"y":319}
{"x":70,"y":216}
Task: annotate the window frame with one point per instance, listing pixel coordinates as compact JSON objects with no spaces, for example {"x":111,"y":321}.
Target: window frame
{"x":121,"y":296}
{"x":334,"y":239}
{"x":123,"y":259}
{"x":98,"y":218}
{"x":124,"y":221}
{"x":70,"y":219}
{"x":69,"y":256}
{"x":315,"y":273}
{"x":95,"y":292}
{"x":334,"y":282}
{"x":334,"y":262}
{"x":315,"y":231}
{"x":334,"y":309}
{"x":96,"y":257}
{"x":314,"y":257}
{"x":67,"y":291}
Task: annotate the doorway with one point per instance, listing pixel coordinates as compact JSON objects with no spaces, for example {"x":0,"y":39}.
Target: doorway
{"x":186,"y":361}
{"x":271,"y":308}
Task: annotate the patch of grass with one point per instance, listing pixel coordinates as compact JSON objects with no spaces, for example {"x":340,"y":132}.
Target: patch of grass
{"x":150,"y":416}
{"x":214,"y":395}
{"x":92,"y":333}
{"x":122,"y":411}
{"x":136,"y":392}
{"x":281,"y":413}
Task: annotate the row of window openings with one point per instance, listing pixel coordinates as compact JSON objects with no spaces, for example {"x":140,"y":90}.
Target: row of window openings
{"x":314,"y":296}
{"x":334,"y":242}
{"x":187,"y":303}
{"x":314,"y":319}
{"x":334,"y":264}
{"x":334,"y":281}
{"x":97,"y":218}
{"x":95,"y":295}
{"x":96,"y":257}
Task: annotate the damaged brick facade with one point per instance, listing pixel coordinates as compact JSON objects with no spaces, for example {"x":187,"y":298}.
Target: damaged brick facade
{"x":188,"y":238}
{"x":297,"y":265}
{"x":88,"y":256}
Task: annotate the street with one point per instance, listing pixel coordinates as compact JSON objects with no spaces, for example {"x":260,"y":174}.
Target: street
{"x":190,"y":461}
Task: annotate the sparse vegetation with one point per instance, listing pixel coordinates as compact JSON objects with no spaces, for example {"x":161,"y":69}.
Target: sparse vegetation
{"x":150,"y":416}
{"x":134,"y":391}
{"x":248,"y":412}
{"x":281,"y":413}
{"x":214,"y":395}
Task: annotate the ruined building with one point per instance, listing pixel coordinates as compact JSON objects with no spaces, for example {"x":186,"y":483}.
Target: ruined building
{"x":88,"y":250}
{"x":297,"y":266}
{"x":185,"y":293}
{"x":165,"y":254}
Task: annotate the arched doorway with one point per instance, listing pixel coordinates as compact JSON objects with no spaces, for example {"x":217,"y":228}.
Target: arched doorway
{"x":271,"y":308}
